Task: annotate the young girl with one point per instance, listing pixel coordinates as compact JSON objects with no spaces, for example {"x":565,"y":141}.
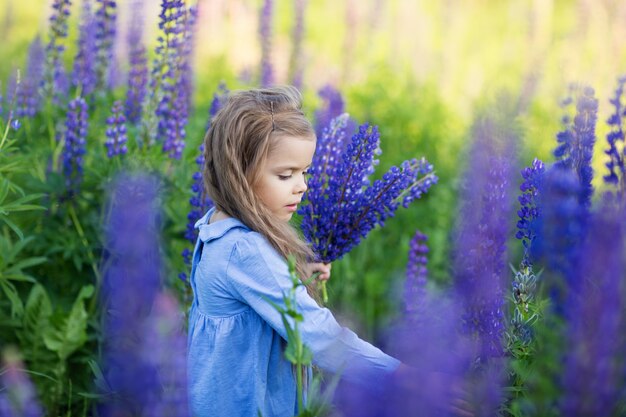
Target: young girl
{"x":257,"y":152}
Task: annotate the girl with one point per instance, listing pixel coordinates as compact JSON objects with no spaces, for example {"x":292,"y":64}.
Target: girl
{"x":257,"y":152}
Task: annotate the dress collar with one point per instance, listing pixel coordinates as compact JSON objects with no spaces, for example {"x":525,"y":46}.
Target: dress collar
{"x":208,"y":232}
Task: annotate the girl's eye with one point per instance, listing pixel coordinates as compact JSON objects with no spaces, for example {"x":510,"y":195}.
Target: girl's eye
{"x":284,"y":177}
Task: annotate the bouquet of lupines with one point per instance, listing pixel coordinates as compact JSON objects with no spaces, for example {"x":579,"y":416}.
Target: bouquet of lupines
{"x":342,"y":205}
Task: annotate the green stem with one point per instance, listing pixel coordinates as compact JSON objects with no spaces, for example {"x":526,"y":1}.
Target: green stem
{"x":92,"y":259}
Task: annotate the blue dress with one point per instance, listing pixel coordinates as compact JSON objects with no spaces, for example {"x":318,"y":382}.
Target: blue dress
{"x":236,"y":365}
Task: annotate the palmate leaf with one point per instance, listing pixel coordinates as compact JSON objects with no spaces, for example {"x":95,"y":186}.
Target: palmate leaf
{"x":70,"y":333}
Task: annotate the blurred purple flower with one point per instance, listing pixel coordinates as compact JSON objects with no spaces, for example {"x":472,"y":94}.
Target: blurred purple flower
{"x":143,"y":344}
{"x":18,"y":397}
{"x":592,"y":381}
{"x":265,"y":34}
{"x":54,"y":82}
{"x":164,"y":347}
{"x":616,"y":157}
{"x":416,"y":277}
{"x":219,"y":99}
{"x":105,"y":30}
{"x":74,"y":134}
{"x":333,"y":107}
{"x":28,"y":100}
{"x":479,"y":257}
{"x":528,"y":212}
{"x":295,"y":60}
{"x":576,"y":142}
{"x":84,"y":73}
{"x":560,"y":228}
{"x":437,"y":372}
{"x":342,"y":207}
{"x":138,"y":59}
{"x":116,"y":131}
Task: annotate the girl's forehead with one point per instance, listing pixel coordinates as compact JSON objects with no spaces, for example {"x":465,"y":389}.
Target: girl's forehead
{"x":292,"y":150}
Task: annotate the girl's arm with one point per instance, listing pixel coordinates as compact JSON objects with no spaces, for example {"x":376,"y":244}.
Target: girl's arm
{"x":259,"y":275}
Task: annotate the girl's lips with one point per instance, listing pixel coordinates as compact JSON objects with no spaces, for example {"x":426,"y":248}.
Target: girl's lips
{"x":292,"y":207}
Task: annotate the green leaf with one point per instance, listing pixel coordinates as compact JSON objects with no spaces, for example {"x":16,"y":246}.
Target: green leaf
{"x":35,"y":322}
{"x":17,"y":307}
{"x":12,"y":225}
{"x":27,"y":263}
{"x":71,"y":334}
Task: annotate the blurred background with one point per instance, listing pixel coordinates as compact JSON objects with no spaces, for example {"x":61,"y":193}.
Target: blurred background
{"x":421,"y":70}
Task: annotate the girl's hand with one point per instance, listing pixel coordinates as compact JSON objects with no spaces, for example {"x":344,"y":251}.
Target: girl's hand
{"x":323,"y":269}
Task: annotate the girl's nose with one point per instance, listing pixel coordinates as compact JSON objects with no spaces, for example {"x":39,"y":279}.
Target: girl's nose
{"x":301,"y":186}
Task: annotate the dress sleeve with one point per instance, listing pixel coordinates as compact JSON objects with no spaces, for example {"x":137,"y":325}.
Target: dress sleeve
{"x":258,"y":274}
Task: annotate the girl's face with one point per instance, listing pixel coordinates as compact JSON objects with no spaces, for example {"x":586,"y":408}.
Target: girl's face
{"x":281,"y":180}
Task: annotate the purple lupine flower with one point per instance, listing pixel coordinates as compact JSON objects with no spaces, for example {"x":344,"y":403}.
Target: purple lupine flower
{"x":265,"y":36}
{"x":332,"y":108}
{"x":132,"y":279}
{"x":342,"y":207}
{"x":560,"y":231}
{"x":529,"y":211}
{"x":54,"y":82}
{"x":576,"y":142}
{"x":138,"y":59}
{"x":592,"y":379}
{"x":84,"y":72}
{"x":17,"y":393}
{"x":616,"y":158}
{"x":116,"y":131}
{"x":437,"y":362}
{"x":164,"y":347}
{"x":28,"y":100}
{"x":171,"y":78}
{"x":219,"y":99}
{"x":479,"y":256}
{"x":105,"y":29}
{"x":74,"y":134}
{"x":416,"y":277}
{"x":295,"y":60}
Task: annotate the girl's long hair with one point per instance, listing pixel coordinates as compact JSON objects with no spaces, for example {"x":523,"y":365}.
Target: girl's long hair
{"x":235,"y":148}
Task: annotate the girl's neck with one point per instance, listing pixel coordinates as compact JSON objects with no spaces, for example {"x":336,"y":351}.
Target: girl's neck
{"x":217,"y":216}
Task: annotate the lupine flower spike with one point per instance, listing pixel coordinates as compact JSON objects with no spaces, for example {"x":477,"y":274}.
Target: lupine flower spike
{"x":576,"y":142}
{"x":105,"y":29}
{"x":116,"y":131}
{"x":142,"y":327}
{"x":416,"y":278}
{"x":342,"y":206}
{"x":295,"y":60}
{"x":138,"y":61}
{"x":479,"y":258}
{"x":54,"y":82}
{"x":17,"y":393}
{"x":594,"y":361}
{"x":84,"y":73}
{"x":615,"y":139}
{"x":265,"y":34}
{"x":28,"y":100}
{"x":75,"y":132}
{"x":519,"y":335}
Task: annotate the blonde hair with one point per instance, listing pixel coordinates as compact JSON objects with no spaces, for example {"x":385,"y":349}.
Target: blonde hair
{"x":235,"y":148}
